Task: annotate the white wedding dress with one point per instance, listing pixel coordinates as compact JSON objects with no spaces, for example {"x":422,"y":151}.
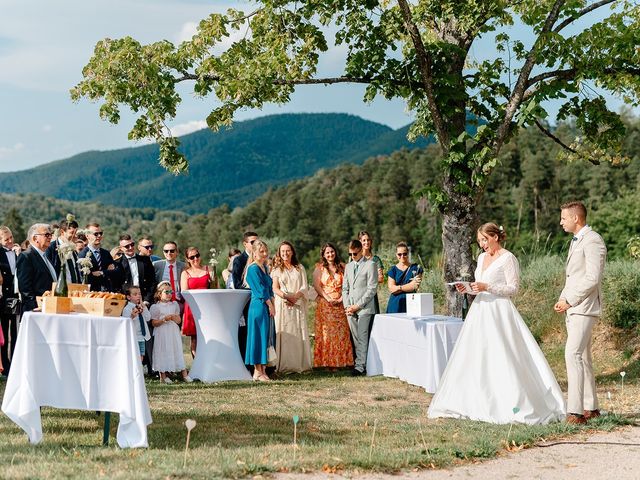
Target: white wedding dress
{"x":497,"y":372}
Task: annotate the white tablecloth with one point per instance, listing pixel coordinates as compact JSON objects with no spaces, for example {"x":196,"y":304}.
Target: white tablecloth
{"x":217,"y":314}
{"x":78,"y":362}
{"x":415,"y":350}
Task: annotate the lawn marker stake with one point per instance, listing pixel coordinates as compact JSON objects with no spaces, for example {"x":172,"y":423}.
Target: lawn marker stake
{"x":515,"y":411}
{"x":296,"y":419}
{"x":622,"y":374}
{"x":190,"y":424}
{"x":373,"y":437}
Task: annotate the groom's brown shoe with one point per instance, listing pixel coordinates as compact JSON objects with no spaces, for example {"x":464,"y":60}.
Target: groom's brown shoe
{"x":575,"y":419}
{"x":589,"y":414}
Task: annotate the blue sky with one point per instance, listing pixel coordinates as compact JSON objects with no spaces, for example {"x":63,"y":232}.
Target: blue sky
{"x":44,"y":44}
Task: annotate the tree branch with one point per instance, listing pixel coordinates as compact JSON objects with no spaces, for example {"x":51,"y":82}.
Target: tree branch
{"x":424,"y":62}
{"x":560,"y":142}
{"x":582,"y":13}
{"x":521,"y":84}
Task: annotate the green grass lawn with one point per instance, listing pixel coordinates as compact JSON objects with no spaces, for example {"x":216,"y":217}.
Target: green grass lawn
{"x":246,"y":428}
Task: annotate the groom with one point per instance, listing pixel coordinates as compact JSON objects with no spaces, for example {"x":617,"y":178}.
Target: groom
{"x":581,"y":299}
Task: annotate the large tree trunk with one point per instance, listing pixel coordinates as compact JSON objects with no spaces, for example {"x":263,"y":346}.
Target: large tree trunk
{"x":459,"y":224}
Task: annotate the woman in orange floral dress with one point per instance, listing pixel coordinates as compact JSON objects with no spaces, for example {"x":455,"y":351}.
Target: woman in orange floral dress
{"x":333,"y":340}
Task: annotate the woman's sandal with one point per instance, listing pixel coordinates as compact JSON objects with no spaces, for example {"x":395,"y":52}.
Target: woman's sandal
{"x":263,"y":378}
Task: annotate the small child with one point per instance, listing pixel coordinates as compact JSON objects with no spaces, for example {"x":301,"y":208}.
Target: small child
{"x":134,"y":309}
{"x":167,"y":341}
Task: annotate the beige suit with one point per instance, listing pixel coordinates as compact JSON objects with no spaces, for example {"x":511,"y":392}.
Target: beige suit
{"x":583,"y":291}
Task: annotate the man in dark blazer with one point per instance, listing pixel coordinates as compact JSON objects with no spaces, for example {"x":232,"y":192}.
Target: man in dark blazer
{"x":67,"y":232}
{"x":237,"y":272}
{"x":35,"y":272}
{"x":137,"y":269}
{"x":9,"y":307}
{"x":105,"y":273}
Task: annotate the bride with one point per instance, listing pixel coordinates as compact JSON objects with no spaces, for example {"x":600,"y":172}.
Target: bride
{"x":497,"y":372}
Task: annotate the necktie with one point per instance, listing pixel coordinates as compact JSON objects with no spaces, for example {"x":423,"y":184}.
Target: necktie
{"x":50,"y":267}
{"x":141,"y":320}
{"x":96,"y":254}
{"x":172,"y":279}
{"x":575,"y":238}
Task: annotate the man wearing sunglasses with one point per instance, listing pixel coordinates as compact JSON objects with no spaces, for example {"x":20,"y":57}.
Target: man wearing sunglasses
{"x":67,"y":234}
{"x":105,"y":273}
{"x":145,"y":248}
{"x":137,"y":270}
{"x":358,"y":289}
{"x":170,"y":270}
{"x":33,"y":269}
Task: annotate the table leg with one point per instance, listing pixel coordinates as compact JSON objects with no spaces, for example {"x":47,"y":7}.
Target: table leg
{"x":107,"y":427}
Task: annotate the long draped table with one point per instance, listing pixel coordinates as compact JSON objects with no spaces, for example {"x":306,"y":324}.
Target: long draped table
{"x":217,"y":314}
{"x":78,"y":362}
{"x":415,"y":350}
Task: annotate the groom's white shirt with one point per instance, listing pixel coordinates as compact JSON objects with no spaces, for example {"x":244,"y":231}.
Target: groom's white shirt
{"x":584,"y":270}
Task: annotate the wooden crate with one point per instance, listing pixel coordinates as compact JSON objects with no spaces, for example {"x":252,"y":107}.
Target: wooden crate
{"x":56,"y":304}
{"x":101,"y":307}
{"x":73,"y":287}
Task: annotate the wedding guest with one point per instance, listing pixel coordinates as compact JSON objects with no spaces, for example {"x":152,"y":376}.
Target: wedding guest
{"x":137,"y":269}
{"x":66,"y":234}
{"x":116,"y":254}
{"x":167,"y":351}
{"x":226,"y":273}
{"x":9,"y":306}
{"x":290,"y":289}
{"x":194,"y":277}
{"x":332,"y":338}
{"x":145,"y":248}
{"x":367,"y":251}
{"x":170,"y":270}
{"x":358,"y":289}
{"x":496,"y":364}
{"x":104,"y":273}
{"x":33,"y":269}
{"x":81,"y":242}
{"x":404,"y":277}
{"x":139,"y":313}
{"x":581,"y":301}
{"x":261,"y":311}
{"x":237,"y":275}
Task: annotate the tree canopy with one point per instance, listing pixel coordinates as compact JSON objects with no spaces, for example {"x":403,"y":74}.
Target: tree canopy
{"x":419,"y":51}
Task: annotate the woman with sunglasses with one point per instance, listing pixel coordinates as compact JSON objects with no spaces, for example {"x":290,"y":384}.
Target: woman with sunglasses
{"x":403,"y":278}
{"x":194,"y":277}
{"x":367,"y":253}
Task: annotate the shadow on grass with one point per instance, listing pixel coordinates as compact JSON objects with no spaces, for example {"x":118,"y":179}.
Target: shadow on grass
{"x":632,"y":371}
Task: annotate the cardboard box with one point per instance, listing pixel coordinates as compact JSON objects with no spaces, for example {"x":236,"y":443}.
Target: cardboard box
{"x":56,"y":304}
{"x":419,"y":304}
{"x":100,"y":307}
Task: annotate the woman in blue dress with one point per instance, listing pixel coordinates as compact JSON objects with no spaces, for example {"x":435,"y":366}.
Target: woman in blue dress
{"x":404,"y":277}
{"x":261,"y":311}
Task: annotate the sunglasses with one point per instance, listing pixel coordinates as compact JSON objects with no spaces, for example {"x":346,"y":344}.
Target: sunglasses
{"x":48,"y":235}
{"x":193,"y":257}
{"x":402,"y":254}
{"x":167,"y":291}
{"x":353,"y":254}
{"x":97,"y":234}
{"x":173,"y":250}
{"x":128,"y":246}
{"x":148,"y":247}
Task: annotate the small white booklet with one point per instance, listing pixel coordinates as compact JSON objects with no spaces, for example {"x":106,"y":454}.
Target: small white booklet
{"x":466,"y":285}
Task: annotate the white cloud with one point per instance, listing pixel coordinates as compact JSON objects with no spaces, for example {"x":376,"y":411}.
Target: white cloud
{"x":187,"y":31}
{"x":47,"y":128}
{"x":8,"y":151}
{"x":189,"y":127}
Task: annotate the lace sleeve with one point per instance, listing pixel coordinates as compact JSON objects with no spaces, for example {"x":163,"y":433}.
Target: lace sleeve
{"x":512,"y":279}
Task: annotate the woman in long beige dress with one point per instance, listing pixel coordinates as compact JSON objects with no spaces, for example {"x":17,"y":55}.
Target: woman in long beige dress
{"x":290,"y":289}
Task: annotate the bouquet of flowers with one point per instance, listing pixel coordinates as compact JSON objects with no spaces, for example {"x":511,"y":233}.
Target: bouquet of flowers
{"x":85,"y":265}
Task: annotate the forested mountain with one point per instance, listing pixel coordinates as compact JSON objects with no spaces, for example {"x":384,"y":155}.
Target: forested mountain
{"x":334,"y":204}
{"x":233,"y":166}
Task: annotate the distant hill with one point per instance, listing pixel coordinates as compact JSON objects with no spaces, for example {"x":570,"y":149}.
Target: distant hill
{"x":234,"y":166}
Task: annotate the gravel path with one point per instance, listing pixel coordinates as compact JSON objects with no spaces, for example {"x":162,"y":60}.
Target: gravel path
{"x":612,"y":455}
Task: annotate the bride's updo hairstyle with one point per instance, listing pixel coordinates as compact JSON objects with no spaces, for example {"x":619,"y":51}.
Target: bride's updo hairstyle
{"x":493,"y":230}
